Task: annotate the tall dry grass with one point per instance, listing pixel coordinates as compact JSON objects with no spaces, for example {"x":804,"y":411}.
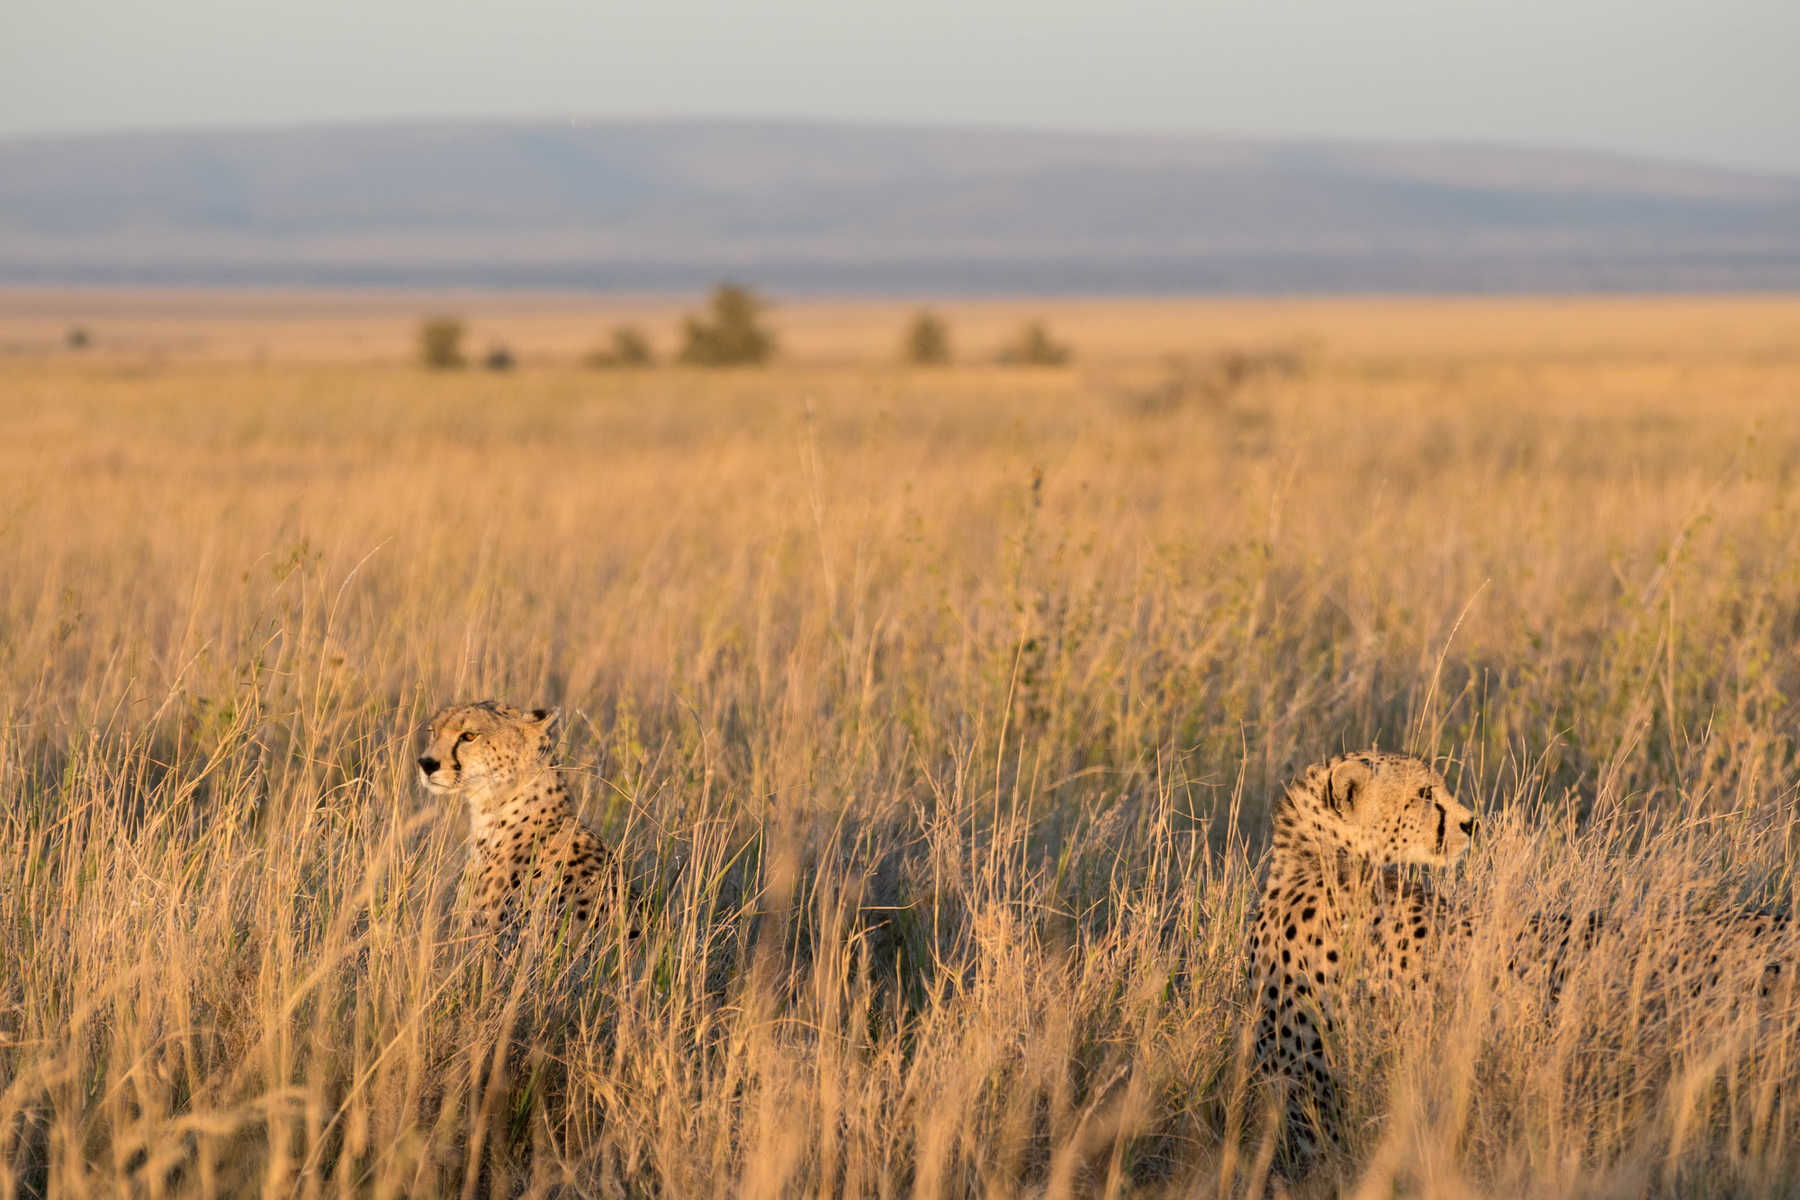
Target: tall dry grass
{"x":937,"y":715}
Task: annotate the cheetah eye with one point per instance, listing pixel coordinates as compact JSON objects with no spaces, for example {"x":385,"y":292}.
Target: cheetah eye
{"x":467,"y":736}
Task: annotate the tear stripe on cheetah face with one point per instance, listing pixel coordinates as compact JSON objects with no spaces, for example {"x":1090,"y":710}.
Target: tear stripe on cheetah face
{"x":1382,"y":809}
{"x":485,"y":748}
{"x":1333,"y":903}
{"x":524,"y":835}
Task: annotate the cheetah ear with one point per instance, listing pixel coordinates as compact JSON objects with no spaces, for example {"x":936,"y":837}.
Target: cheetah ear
{"x":1343,"y":780}
{"x":545,"y":717}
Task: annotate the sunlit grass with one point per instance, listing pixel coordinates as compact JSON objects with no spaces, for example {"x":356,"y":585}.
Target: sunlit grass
{"x":937,"y":715}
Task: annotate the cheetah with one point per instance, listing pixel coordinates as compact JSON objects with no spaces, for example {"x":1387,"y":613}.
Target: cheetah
{"x":1338,"y":913}
{"x":524,"y":835}
{"x":1726,"y":952}
{"x":1333,"y":906}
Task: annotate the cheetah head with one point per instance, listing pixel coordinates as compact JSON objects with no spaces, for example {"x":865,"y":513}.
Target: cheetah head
{"x":484,"y":746}
{"x":1386,"y":808}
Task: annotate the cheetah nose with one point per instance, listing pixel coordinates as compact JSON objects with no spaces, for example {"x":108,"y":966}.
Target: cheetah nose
{"x":1469,"y":826}
{"x":428,"y":764}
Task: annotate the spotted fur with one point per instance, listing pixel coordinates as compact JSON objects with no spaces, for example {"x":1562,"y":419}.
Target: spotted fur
{"x":524,"y":838}
{"x":1334,"y":908}
{"x":1338,"y":914}
{"x":1732,"y":952}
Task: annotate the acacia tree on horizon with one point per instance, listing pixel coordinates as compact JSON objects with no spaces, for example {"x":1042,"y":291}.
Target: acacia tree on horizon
{"x":734,"y":334}
{"x":440,"y":342}
{"x":927,"y":340}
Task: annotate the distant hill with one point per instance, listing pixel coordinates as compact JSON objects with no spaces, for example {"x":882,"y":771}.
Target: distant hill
{"x":678,"y":204}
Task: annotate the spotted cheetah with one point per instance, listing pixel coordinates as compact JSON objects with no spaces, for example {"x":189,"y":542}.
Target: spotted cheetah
{"x":1338,"y":913}
{"x":1730,"y":952}
{"x":524,"y":836}
{"x":1334,"y":907}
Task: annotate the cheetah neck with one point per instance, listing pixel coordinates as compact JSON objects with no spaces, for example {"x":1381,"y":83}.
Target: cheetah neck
{"x":534,"y":807}
{"x":1304,"y":849}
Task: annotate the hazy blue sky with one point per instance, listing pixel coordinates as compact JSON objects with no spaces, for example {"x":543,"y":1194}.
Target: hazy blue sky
{"x":1711,"y":80}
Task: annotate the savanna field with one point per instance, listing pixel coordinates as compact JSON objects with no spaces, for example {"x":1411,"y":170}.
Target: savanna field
{"x":937,"y":713}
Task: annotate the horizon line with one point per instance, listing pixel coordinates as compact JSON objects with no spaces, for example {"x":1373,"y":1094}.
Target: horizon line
{"x":775,"y":120}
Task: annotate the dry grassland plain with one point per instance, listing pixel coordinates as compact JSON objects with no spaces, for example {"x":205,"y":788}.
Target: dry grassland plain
{"x":936,"y":712}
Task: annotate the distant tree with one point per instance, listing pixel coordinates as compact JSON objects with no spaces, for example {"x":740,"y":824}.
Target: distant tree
{"x":499,"y":359}
{"x":1036,"y":348}
{"x":77,"y":338}
{"x":629,"y":348}
{"x":733,"y":336}
{"x":440,"y":342}
{"x":927,"y":340}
